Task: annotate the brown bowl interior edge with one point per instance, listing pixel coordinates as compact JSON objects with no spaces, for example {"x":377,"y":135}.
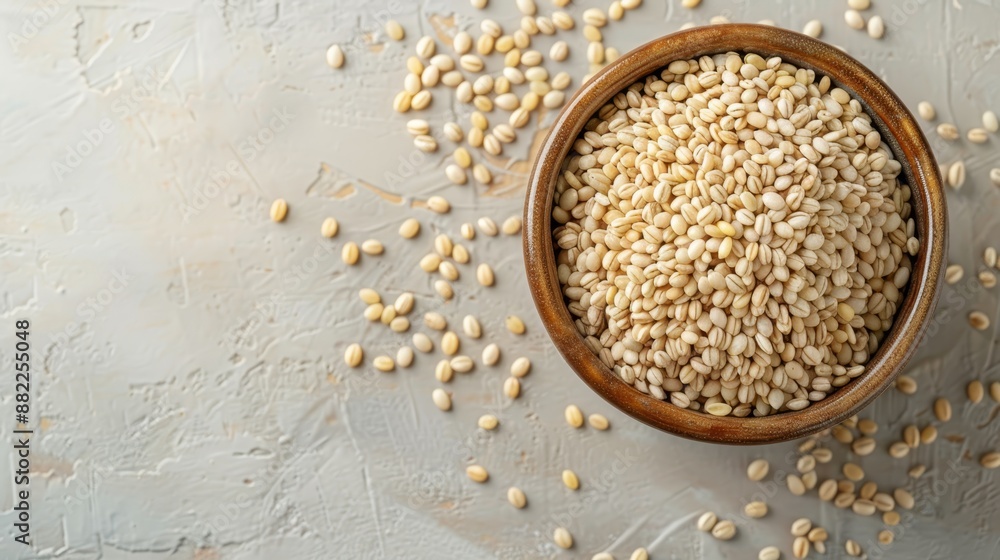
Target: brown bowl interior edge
{"x":898,"y":129}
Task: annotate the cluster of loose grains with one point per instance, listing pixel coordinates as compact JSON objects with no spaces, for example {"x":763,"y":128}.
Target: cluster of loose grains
{"x":445,"y":259}
{"x":856,"y":20}
{"x":733,"y":235}
{"x":721,"y":529}
{"x":851,"y":490}
{"x":954,"y":175}
{"x":521,"y":88}
{"x":847,"y":485}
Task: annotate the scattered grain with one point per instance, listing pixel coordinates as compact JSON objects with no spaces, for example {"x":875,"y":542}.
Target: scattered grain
{"x":876,"y":27}
{"x":928,"y":434}
{"x":514,"y":324}
{"x":384,"y":363}
{"x":758,"y":469}
{"x":953,"y":274}
{"x":562,"y":538}
{"x":885,"y":537}
{"x":795,"y":485}
{"x":350,"y":253}
{"x":724,"y":530}
{"x":279,"y":209}
{"x":512,"y":387}
{"x":484,"y":275}
{"x":800,"y":547}
{"x":353,"y":355}
{"x":335,"y":56}
{"x":947,"y":131}
{"x":438,"y":204}
{"x":574,"y":417}
{"x":521,"y":367}
{"x":979,"y":320}
{"x":516,"y":497}
{"x":707,"y":521}
{"x":755,"y":510}
{"x":899,"y":449}
{"x":926,"y":111}
{"x":598,"y":422}
{"x":813,"y":28}
{"x":570,"y":480}
{"x":329,"y":228}
{"x":854,"y":19}
{"x":956,"y":174}
{"x":511,"y":226}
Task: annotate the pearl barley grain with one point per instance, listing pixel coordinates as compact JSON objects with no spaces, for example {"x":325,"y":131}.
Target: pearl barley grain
{"x":574,"y":417}
{"x":441,"y":399}
{"x":477,"y":473}
{"x":990,"y":121}
{"x":516,"y":497}
{"x":926,"y":111}
{"x":353,"y":355}
{"x":329,"y":228}
{"x":947,"y":131}
{"x":562,"y":538}
{"x":769,"y":553}
{"x":598,"y":422}
{"x":511,"y":226}
{"x":350,"y":253}
{"x":570,"y":480}
{"x":990,"y":460}
{"x":512,"y":387}
{"x":758,"y":469}
{"x":724,"y":530}
{"x":491,"y":355}
{"x":279,"y":209}
{"x":521,"y":367}
{"x":707,"y":521}
{"x":979,"y":320}
{"x":755,"y":510}
{"x":484,"y":275}
{"x":854,"y":19}
{"x":876,"y":27}
{"x":813,"y":28}
{"x":335,"y":56}
{"x":409,"y":229}
{"x":514,"y":324}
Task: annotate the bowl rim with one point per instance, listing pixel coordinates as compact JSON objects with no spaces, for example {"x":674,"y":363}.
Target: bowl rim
{"x":898,"y":129}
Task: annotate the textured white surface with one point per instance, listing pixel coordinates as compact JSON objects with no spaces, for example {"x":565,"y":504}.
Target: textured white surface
{"x":198,"y":407}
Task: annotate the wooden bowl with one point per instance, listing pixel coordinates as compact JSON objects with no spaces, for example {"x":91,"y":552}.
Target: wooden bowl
{"x":898,"y":129}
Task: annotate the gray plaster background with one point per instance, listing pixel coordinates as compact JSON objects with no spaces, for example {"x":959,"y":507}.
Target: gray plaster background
{"x":198,"y":407}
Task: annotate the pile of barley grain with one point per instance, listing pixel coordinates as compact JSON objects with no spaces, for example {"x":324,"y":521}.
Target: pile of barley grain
{"x":733,"y":235}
